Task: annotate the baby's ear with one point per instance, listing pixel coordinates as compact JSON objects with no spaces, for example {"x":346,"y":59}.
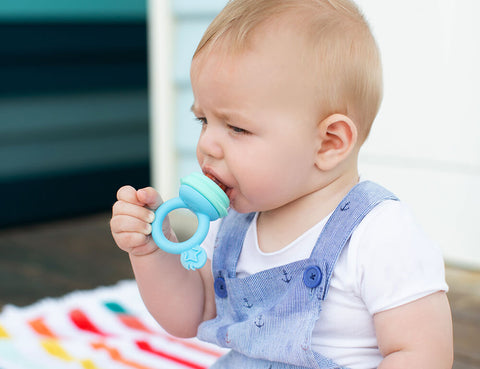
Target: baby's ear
{"x":337,"y":136}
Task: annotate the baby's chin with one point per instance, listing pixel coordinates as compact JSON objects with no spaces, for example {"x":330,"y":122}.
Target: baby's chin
{"x":242,"y":208}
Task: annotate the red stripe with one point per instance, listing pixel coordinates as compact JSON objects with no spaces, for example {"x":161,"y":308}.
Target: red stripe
{"x":145,"y":346}
{"x":79,"y":318}
{"x":134,"y":323}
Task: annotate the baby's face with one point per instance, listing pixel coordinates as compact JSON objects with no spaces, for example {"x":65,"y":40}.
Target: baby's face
{"x":259,"y":116}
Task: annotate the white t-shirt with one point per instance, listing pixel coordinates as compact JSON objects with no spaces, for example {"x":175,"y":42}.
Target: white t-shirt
{"x":388,"y":262}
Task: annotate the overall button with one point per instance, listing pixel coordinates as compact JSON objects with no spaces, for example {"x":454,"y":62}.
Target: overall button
{"x":220,"y":287}
{"x":312,"y":276}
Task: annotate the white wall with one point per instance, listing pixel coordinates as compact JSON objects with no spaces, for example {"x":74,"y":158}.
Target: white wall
{"x":425,"y":144}
{"x":161,"y":87}
{"x":175,"y":28}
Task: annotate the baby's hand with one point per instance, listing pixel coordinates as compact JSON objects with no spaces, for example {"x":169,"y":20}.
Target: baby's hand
{"x":131,"y":218}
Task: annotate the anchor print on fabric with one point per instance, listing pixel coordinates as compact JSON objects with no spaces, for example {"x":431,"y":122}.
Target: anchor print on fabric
{"x":247,"y":304}
{"x":286,"y":278}
{"x":345,"y":206}
{"x":259,"y":322}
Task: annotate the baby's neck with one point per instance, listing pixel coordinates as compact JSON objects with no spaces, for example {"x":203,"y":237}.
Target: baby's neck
{"x":279,"y":227}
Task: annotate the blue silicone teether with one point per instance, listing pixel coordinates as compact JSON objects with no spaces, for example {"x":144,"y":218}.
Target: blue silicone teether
{"x":206,"y":199}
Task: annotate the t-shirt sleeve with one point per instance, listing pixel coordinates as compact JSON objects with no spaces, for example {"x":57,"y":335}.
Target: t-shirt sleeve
{"x":397,"y":262}
{"x":209,"y":243}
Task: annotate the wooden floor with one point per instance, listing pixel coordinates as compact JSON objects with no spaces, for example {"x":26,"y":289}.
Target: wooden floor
{"x":52,"y":259}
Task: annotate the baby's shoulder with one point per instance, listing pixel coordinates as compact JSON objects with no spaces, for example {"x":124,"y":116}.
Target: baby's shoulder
{"x":389,"y":220}
{"x":391,"y":255}
{"x":388,"y":238}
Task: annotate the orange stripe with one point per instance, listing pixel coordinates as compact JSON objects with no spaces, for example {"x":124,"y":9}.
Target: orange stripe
{"x":38,"y":325}
{"x":133,"y":323}
{"x":116,"y":356}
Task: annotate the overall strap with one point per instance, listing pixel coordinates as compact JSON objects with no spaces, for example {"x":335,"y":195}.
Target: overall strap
{"x":341,"y":224}
{"x":229,"y":242}
{"x":335,"y":235}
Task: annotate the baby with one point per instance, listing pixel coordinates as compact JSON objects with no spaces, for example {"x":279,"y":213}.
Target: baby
{"x":313,"y":267}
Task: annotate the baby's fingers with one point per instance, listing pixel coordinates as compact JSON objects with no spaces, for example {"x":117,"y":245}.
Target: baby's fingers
{"x":127,"y":223}
{"x":150,"y":197}
{"x":129,"y":194}
{"x":139,"y":212}
{"x":129,"y":241}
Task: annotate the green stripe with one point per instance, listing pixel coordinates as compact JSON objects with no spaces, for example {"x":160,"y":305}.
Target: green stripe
{"x":115,"y":307}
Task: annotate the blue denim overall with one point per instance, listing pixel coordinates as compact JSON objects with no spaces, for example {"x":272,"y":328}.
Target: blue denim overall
{"x":267,"y":318}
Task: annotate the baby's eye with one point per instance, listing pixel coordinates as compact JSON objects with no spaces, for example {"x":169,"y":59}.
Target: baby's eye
{"x":201,"y":120}
{"x":237,"y":130}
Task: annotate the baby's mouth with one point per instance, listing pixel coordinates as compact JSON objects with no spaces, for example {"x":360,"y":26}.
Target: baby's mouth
{"x":217,"y":182}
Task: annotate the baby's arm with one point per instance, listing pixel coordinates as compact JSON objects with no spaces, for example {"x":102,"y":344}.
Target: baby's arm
{"x":177,"y":298}
{"x":416,"y":335}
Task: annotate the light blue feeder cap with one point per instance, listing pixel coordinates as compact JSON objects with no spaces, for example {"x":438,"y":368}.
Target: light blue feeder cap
{"x":207,"y":198}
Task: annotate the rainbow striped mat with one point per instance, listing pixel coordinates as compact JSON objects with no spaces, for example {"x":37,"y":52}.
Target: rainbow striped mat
{"x":105,"y":328}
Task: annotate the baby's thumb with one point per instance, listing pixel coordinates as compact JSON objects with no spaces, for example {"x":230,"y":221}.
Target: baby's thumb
{"x":150,"y":197}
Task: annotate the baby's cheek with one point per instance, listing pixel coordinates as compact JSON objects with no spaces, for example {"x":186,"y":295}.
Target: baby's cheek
{"x":262,"y":197}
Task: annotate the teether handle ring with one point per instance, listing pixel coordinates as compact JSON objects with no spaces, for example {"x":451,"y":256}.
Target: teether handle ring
{"x":178,"y":247}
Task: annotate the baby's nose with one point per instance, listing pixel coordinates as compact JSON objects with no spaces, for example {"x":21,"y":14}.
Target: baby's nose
{"x":210,"y":143}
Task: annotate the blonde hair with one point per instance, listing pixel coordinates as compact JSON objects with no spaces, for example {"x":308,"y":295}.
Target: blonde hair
{"x":341,"y":46}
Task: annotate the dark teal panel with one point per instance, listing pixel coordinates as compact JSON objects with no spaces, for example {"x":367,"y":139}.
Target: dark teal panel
{"x":31,"y":119}
{"x":68,"y":194}
{"x":39,"y":58}
{"x":73,"y":116}
{"x":73,"y":10}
